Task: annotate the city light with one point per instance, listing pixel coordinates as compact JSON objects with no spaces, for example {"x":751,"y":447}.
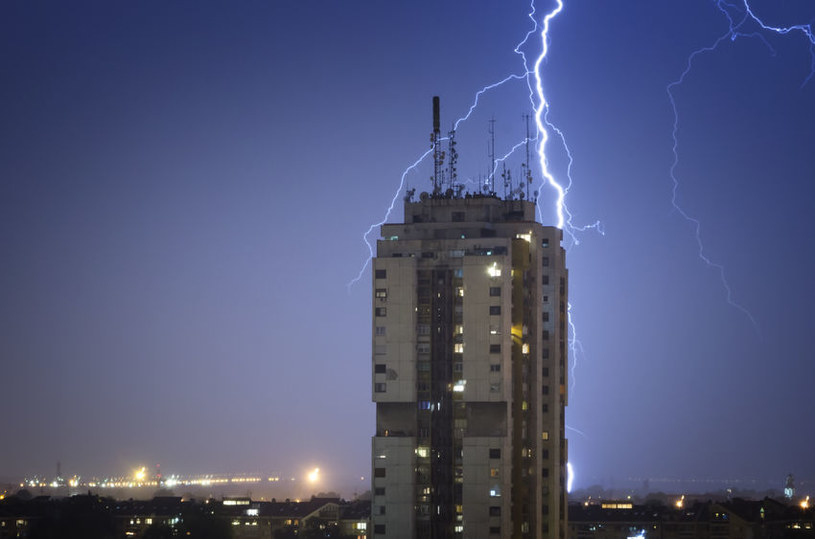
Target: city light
{"x":314,"y":475}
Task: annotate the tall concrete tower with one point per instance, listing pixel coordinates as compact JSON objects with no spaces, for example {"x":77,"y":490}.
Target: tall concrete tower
{"x":469,"y":371}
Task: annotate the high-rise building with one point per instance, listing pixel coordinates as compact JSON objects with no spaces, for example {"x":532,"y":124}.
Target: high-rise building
{"x":469,"y":371}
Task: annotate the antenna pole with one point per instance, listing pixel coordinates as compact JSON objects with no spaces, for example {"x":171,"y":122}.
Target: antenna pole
{"x":438,"y":155}
{"x":492,"y":154}
{"x":528,"y":170}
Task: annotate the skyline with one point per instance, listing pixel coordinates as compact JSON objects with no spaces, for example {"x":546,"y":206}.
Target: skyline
{"x":185,"y":191}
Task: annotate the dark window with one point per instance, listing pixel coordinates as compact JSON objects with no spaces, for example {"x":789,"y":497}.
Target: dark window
{"x":495,"y":309}
{"x":495,"y":368}
{"x":544,"y":455}
{"x":381,"y":311}
{"x":546,"y":371}
{"x":381,"y":509}
{"x":545,"y":335}
{"x":380,"y":274}
{"x":382,"y":293}
{"x":495,"y":511}
{"x":545,"y":279}
{"x":380,"y":387}
{"x":546,"y":316}
{"x":495,"y":291}
{"x":545,"y":242}
{"x":545,"y":408}
{"x":379,"y":491}
{"x":495,"y":530}
{"x":495,"y":453}
{"x":380,"y":330}
{"x":544,"y":472}
{"x":545,"y":260}
{"x":379,"y":472}
{"x":379,"y":529}
{"x":545,"y":353}
{"x":495,"y":349}
{"x":545,"y":390}
{"x":545,"y":509}
{"x":458,"y":216}
{"x":379,"y":368}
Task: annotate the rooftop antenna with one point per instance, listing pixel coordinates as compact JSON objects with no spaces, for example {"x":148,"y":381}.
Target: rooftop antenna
{"x":438,"y":154}
{"x":528,"y":169}
{"x":491,"y":131}
{"x":451,"y":149}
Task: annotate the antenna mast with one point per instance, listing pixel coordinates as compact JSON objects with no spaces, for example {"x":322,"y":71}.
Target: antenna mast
{"x":528,"y":169}
{"x":492,"y":154}
{"x":438,"y":154}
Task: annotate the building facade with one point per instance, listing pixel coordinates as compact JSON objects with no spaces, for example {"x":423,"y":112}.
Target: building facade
{"x":469,"y":372}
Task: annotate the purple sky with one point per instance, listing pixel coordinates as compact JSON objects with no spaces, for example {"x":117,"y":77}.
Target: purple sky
{"x":184,"y":187}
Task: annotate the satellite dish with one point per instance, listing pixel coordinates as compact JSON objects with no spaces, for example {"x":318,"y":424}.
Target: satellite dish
{"x":423,"y":196}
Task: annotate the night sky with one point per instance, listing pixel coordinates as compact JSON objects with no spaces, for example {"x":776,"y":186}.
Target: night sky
{"x":184,"y":187}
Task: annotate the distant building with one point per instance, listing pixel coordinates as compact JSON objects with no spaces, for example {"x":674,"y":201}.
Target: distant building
{"x":469,"y":371}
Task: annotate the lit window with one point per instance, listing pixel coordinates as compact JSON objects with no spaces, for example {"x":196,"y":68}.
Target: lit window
{"x":460,"y":291}
{"x":495,"y":472}
{"x":459,"y":386}
{"x":525,"y":348}
{"x":545,"y":242}
{"x":494,"y":270}
{"x":458,"y":348}
{"x":526,"y":237}
{"x":381,"y":293}
{"x":495,"y":492}
{"x":459,"y":528}
{"x":380,"y":387}
{"x":459,"y":329}
{"x":545,"y":435}
{"x":493,"y":330}
{"x":423,"y":451}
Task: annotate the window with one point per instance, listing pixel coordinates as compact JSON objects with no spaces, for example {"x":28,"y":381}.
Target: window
{"x":495,"y":309}
{"x":495,"y":530}
{"x":495,"y":349}
{"x":381,"y":311}
{"x":381,"y":293}
{"x":545,"y":242}
{"x":379,"y":529}
{"x":545,"y":390}
{"x":495,"y":291}
{"x":379,"y":491}
{"x":545,"y":316}
{"x":379,"y":472}
{"x":545,"y":454}
{"x":495,"y":511}
{"x":495,"y":472}
{"x":545,"y":335}
{"x":458,"y":348}
{"x":546,"y":299}
{"x":545,"y":435}
{"x":495,"y":388}
{"x":545,"y":280}
{"x":380,"y":274}
{"x":458,"y":216}
{"x":495,"y":453}
{"x":545,"y":353}
{"x":495,"y":367}
{"x":380,"y":387}
{"x":379,"y":368}
{"x":545,"y":260}
{"x":545,"y":472}
{"x":545,"y":371}
{"x":381,"y":509}
{"x":380,"y":349}
{"x":458,"y":366}
{"x":423,"y":347}
{"x":380,"y":331}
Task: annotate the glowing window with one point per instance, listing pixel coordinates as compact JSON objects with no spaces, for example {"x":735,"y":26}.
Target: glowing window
{"x":495,"y":472}
{"x":525,"y":348}
{"x":458,"y":348}
{"x":545,"y":435}
{"x":494,"y":270}
{"x":381,"y":293}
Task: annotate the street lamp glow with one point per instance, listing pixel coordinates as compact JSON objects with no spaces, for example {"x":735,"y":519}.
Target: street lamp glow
{"x":313,"y":475}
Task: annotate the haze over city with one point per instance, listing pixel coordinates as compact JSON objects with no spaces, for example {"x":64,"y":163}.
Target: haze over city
{"x":184,"y":190}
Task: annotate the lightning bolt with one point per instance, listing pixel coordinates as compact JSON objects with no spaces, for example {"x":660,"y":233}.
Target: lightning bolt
{"x":739,"y":17}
